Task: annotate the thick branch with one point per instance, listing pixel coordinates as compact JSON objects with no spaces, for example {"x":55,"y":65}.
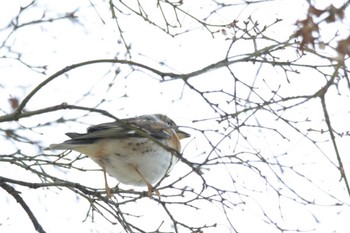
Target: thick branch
{"x":330,"y":130}
{"x":13,"y":116}
{"x":322,"y":94}
{"x":15,"y":194}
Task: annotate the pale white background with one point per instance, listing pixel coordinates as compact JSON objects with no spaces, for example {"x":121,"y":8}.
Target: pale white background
{"x":63,"y":43}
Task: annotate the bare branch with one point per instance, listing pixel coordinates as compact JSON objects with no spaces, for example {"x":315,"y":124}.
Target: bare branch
{"x":16,"y":195}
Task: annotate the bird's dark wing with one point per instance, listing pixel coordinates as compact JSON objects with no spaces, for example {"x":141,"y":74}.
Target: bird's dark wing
{"x":130,"y":127}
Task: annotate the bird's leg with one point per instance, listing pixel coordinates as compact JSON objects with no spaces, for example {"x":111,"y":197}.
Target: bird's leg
{"x":149,"y":186}
{"x":108,"y":189}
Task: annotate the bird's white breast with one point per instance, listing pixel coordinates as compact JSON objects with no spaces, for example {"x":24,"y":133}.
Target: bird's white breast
{"x":122,"y":156}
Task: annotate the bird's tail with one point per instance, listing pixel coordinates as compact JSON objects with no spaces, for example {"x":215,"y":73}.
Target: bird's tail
{"x":62,"y":146}
{"x":69,"y":144}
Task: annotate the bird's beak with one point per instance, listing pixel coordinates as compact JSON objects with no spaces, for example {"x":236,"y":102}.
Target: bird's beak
{"x":181,"y":134}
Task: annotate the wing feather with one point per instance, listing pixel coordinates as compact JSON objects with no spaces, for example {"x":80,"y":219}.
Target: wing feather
{"x":130,"y":127}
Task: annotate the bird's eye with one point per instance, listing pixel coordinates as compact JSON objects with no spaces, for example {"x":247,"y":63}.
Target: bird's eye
{"x":170,"y":123}
{"x":167,"y":120}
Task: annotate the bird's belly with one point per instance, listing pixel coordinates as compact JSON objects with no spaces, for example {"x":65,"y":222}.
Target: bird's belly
{"x":132,"y":161}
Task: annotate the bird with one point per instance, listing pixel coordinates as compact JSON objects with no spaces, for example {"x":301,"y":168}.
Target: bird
{"x":137,"y":151}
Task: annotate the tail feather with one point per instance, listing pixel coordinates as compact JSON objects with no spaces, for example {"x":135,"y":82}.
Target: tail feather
{"x":74,"y":135}
{"x":62,"y":146}
{"x":71,"y":144}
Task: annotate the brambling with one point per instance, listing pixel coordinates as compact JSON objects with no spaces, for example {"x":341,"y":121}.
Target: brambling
{"x":136,"y":151}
